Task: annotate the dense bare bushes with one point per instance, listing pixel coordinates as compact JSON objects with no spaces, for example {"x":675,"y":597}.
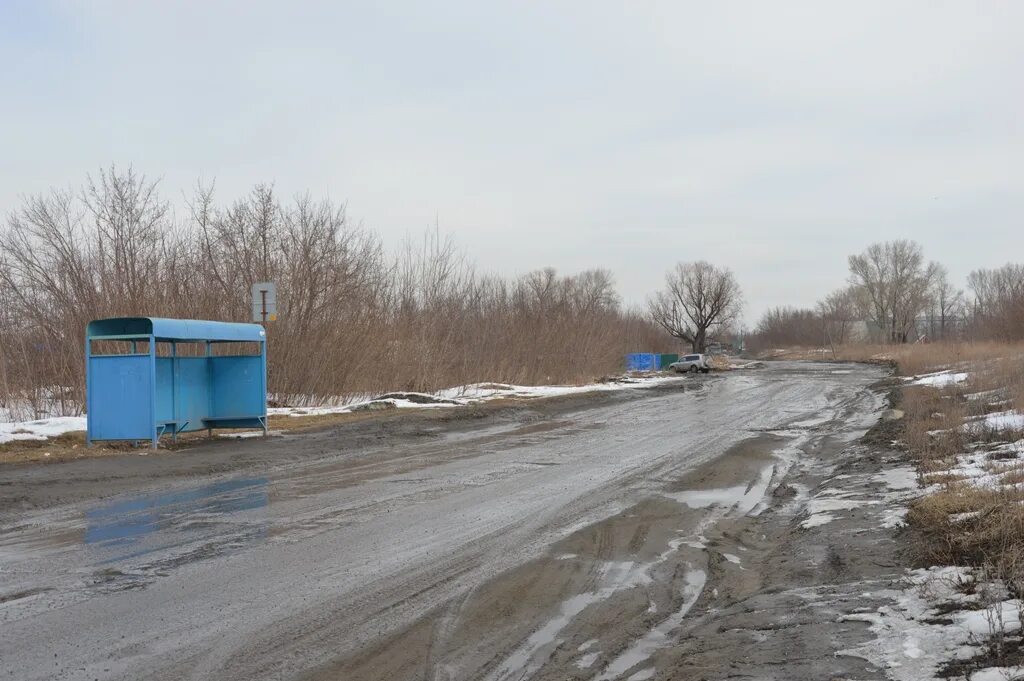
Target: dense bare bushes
{"x":788,"y":327}
{"x":998,"y":307}
{"x":354,"y":319}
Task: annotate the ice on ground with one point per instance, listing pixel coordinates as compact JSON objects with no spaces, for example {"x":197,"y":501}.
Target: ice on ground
{"x":40,"y":429}
{"x":940,"y":379}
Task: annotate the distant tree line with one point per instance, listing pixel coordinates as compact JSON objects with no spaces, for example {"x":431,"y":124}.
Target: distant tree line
{"x":895,"y":296}
{"x":354,"y":318}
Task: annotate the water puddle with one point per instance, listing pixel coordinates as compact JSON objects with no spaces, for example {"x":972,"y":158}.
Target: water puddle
{"x":741,"y":498}
{"x":521,"y":664}
{"x":534,"y":652}
{"x":183,"y":526}
{"x":616,"y":576}
{"x":125,"y":522}
{"x":658,"y":636}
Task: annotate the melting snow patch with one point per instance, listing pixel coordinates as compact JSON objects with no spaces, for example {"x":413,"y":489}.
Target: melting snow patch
{"x":40,"y":429}
{"x":940,"y":379}
{"x":1003,"y":420}
{"x":894,"y":517}
{"x":912,"y":642}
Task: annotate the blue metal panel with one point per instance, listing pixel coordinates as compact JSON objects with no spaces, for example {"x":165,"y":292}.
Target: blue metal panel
{"x":237,"y":386}
{"x":641,"y":361}
{"x":164,"y":389}
{"x":120,"y":393}
{"x":192,"y":383}
{"x":176,"y":329}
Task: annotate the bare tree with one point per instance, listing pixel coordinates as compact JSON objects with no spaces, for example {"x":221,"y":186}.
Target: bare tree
{"x":896,"y":282}
{"x":698,"y":297}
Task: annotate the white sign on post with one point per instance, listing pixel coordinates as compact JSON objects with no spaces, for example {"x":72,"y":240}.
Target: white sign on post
{"x":264,"y":302}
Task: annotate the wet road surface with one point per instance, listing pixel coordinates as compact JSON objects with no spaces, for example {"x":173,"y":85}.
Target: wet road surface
{"x":307,"y":565}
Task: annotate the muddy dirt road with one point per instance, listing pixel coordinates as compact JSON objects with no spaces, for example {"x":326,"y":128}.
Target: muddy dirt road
{"x":648,"y":533}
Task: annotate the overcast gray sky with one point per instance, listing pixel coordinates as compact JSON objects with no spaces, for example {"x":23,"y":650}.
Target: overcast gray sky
{"x":771,"y":137}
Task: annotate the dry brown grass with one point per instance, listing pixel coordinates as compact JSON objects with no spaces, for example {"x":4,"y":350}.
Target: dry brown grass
{"x":993,"y":533}
{"x":917,"y":358}
{"x":932,"y":429}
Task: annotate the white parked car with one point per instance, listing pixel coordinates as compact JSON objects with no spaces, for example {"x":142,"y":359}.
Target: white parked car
{"x":691,"y":363}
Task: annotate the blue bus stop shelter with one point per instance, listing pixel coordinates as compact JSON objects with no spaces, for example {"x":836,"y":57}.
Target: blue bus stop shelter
{"x":143,"y":394}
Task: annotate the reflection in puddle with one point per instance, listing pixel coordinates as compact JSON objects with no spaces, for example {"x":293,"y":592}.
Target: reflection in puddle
{"x":181,"y":516}
{"x":126,"y":521}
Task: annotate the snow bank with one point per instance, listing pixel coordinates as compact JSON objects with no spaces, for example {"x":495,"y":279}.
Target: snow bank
{"x":40,"y":429}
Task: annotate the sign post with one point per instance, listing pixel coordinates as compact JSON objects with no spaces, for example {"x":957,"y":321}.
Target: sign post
{"x":264,"y":302}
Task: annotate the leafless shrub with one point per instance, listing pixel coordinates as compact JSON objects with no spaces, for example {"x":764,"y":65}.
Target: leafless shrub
{"x":998,"y":307}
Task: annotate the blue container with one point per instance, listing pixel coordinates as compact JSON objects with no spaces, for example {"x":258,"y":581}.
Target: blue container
{"x":641,"y":361}
{"x":140,"y":396}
